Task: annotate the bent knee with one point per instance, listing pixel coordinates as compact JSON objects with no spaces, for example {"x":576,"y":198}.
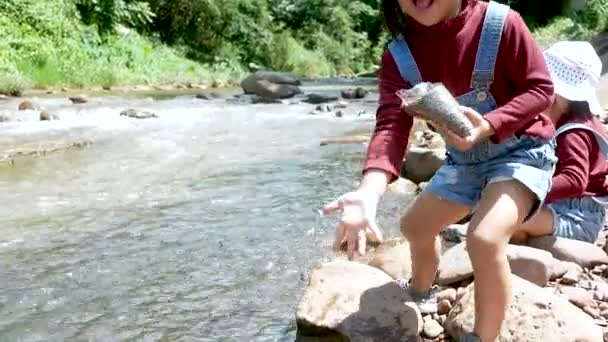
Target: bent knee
{"x":413,"y":229}
{"x":483,"y":245}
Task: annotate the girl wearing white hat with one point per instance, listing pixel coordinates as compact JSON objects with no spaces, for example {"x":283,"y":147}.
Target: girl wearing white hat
{"x":580,"y":186}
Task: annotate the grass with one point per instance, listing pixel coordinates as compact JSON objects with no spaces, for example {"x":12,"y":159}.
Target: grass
{"x":44,"y":45}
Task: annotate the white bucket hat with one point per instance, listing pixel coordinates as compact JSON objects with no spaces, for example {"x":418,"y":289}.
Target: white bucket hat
{"x":575,"y":69}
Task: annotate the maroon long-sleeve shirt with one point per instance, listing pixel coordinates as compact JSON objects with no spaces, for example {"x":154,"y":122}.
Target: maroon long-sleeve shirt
{"x":581,"y":168}
{"x":446,"y":53}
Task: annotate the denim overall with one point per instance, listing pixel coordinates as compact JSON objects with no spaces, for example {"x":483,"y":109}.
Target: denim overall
{"x":580,"y":218}
{"x":464,"y":174}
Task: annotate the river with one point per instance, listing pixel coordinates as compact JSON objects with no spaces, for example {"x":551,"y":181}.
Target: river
{"x":199,"y":225}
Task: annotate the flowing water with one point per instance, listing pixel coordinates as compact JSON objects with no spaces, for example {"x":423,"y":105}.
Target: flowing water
{"x":200,"y":225}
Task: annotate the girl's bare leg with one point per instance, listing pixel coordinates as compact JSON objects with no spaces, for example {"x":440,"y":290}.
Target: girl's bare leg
{"x":503,"y":207}
{"x":539,"y":225}
{"x":421,"y":223}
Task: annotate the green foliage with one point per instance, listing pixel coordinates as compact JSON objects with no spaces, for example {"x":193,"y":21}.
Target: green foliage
{"x":43,"y":43}
{"x":583,"y":24}
{"x":108,"y":14}
{"x":104,"y":42}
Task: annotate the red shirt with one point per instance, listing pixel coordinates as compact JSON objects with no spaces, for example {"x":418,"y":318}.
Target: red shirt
{"x":581,"y":167}
{"x":446,"y":53}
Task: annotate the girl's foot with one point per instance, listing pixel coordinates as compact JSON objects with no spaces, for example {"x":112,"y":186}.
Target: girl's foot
{"x":425,"y":300}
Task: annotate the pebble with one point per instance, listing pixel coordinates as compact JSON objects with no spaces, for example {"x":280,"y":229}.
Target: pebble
{"x":571,"y":277}
{"x":591,"y":311}
{"x":579,"y":297}
{"x":432,"y":329}
{"x":444,"y":307}
{"x":341,"y":105}
{"x":460,"y":292}
{"x":323,"y":108}
{"x":447,"y":294}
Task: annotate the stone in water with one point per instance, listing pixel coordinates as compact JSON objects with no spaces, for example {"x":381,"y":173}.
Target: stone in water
{"x":433,"y":102}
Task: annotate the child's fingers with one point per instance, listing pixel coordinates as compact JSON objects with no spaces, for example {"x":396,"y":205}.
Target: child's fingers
{"x":340,"y":232}
{"x":332,"y":208}
{"x":351,"y":243}
{"x":375,"y":232}
{"x":472,"y":115}
{"x":361,"y":242}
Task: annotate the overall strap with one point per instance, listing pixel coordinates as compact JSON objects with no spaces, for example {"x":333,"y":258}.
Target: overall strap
{"x":601,"y":140}
{"x":405,"y":61}
{"x":489,"y":43}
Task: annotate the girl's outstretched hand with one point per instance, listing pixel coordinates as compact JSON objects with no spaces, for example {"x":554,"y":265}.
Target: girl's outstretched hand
{"x":481,"y":130}
{"x":358,"y":222}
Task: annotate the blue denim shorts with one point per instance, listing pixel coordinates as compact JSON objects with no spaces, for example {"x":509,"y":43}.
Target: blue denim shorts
{"x":578,"y":218}
{"x":529,"y":160}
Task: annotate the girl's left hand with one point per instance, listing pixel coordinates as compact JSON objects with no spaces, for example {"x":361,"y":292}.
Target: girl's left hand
{"x":481,"y":130}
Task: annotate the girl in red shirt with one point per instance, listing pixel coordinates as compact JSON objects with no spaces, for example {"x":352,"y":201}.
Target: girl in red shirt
{"x":579,"y":190}
{"x":485,"y":55}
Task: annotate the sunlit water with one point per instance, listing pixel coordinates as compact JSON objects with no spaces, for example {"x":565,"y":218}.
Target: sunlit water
{"x":200,"y":225}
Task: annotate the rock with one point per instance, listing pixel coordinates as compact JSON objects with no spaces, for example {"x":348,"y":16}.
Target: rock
{"x":341,"y":105}
{"x":402,"y":186}
{"x":448,"y":294}
{"x":577,"y":296}
{"x":393,"y":257}
{"x":323,"y":108}
{"x":218,"y":84}
{"x":349,"y":139}
{"x":35,"y":147}
{"x":271,"y":85}
{"x":454,"y":266}
{"x":339,"y":114}
{"x":138,"y":114}
{"x":3,"y":97}
{"x":536,"y":266}
{"x":275,"y":77}
{"x":78,"y":99}
{"x":444,"y":306}
{"x":6,"y":116}
{"x":604,"y":314}
{"x":603,"y":306}
{"x":572,"y":275}
{"x":441,"y":319}
{"x":46,"y":116}
{"x":106,"y":87}
{"x":421,"y":163}
{"x":582,"y":253}
{"x":599,"y":288}
{"x":431,"y":329}
{"x":356,"y":302}
{"x":203,"y":96}
{"x":460,"y":292}
{"x":428,"y":139}
{"x":455,"y":233}
{"x":28,"y":105}
{"x":319,"y":98}
{"x":357,"y":93}
{"x":531,"y":264}
{"x":265,"y":100}
{"x":593,"y":312}
{"x":533,"y":315}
